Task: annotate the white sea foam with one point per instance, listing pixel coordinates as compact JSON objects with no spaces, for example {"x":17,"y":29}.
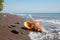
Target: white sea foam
{"x":44,"y":36}
{"x":38,"y":36}
{"x":51,"y":21}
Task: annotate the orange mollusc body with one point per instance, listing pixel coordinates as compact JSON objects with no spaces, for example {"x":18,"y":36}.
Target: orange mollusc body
{"x":34,"y":25}
{"x":28,"y":25}
{"x":37,"y":26}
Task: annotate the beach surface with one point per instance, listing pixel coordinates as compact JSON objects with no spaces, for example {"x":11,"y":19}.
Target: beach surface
{"x":9,"y":22}
{"x":12,"y":28}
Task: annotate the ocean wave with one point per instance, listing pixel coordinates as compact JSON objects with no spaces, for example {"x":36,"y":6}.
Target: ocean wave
{"x":50,"y":21}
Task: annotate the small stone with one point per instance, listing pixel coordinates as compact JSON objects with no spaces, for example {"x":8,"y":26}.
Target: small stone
{"x":17,"y":22}
{"x":4,"y":15}
{"x":9,"y":26}
{"x":15,"y":30}
{"x":13,"y":25}
{"x":54,"y":31}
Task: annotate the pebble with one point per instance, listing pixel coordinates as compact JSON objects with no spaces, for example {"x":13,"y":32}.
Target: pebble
{"x":9,"y":26}
{"x":13,"y":25}
{"x":4,"y":15}
{"x":15,"y":30}
{"x":17,"y":23}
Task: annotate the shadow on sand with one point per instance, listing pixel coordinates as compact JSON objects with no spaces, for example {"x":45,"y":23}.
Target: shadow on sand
{"x":29,"y":30}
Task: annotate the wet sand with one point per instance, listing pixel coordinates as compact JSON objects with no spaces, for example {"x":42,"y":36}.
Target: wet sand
{"x":6,"y":22}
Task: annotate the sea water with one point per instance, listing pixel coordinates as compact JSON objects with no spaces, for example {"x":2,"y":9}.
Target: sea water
{"x":49,"y":21}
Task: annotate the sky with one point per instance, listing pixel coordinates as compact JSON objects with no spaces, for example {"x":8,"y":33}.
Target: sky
{"x":31,"y":6}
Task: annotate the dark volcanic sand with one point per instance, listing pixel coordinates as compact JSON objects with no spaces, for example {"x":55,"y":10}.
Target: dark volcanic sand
{"x":5,"y":28}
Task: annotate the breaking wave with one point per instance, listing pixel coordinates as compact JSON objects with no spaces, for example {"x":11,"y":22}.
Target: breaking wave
{"x":50,"y":21}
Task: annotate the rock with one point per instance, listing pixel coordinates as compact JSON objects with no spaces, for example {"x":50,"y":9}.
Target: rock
{"x":17,"y":23}
{"x":13,"y":25}
{"x":9,"y":26}
{"x":54,"y":31}
{"x":15,"y":30}
{"x":4,"y":15}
